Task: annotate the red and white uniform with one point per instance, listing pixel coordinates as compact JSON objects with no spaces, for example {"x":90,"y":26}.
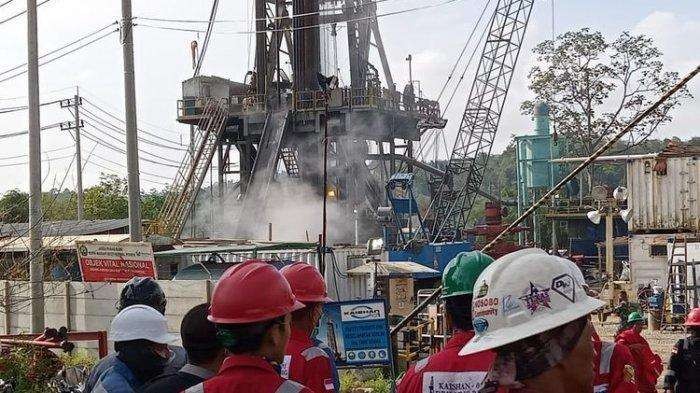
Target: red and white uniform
{"x":248,"y":374}
{"x":613,"y":366}
{"x":648,"y":365}
{"x":307,"y":364}
{"x":447,"y":372}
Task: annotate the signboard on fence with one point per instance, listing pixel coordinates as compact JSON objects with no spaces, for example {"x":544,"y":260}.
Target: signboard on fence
{"x":115,"y":262}
{"x":357,"y":332}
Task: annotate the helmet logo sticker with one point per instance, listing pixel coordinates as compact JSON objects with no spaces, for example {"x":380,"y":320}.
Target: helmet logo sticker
{"x":536,"y":297}
{"x":565,"y":286}
{"x":483,"y":290}
{"x":485,"y":306}
{"x":480,"y":324}
{"x":509,"y":305}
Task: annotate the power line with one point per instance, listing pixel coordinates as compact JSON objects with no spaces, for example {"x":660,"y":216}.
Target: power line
{"x":101,"y":142}
{"x":44,"y":160}
{"x":24,"y":132}
{"x":63,"y":55}
{"x":45,"y":151}
{"x":141,"y":130}
{"x":377,"y":16}
{"x":17,"y":15}
{"x":24,"y":107}
{"x":121,"y":131}
{"x":368,"y":4}
{"x":95,"y":96}
{"x":63,"y":47}
{"x":6,"y":3}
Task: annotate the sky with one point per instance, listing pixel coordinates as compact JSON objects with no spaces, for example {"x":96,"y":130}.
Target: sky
{"x":434,"y":36}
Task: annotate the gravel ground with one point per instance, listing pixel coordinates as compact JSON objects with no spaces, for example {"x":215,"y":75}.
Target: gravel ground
{"x":660,"y":342}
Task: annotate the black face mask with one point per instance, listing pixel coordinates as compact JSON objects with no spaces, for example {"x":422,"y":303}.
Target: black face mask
{"x":142,"y":360}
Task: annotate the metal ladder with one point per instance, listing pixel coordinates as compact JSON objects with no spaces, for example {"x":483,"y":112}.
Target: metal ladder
{"x":289,"y":158}
{"x":679,"y":287}
{"x":181,"y":195}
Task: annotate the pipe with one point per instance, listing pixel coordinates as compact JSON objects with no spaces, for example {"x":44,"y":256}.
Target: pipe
{"x":564,"y":160}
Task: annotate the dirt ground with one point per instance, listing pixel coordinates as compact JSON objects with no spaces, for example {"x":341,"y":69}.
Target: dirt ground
{"x":660,"y":342}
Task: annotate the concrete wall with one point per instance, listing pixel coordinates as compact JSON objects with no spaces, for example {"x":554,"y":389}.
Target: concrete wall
{"x":91,"y":306}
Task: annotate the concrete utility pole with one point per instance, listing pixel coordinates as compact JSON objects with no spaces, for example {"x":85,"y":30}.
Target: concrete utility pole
{"x":36,"y":265}
{"x":78,"y":156}
{"x":132,"y":144}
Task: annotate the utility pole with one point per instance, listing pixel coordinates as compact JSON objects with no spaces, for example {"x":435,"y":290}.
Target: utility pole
{"x":132,"y":144}
{"x":78,"y":156}
{"x":36,"y":265}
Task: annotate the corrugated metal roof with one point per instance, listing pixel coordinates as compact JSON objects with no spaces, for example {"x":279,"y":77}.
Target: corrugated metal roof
{"x":235,"y":248}
{"x":21,"y":244}
{"x":65,"y":227}
{"x":384,"y":269}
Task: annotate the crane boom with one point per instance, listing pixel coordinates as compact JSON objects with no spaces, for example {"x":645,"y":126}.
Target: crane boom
{"x":453,"y":196}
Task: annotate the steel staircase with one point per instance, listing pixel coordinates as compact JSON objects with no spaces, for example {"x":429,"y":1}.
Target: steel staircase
{"x":289,"y":158}
{"x":181,"y":195}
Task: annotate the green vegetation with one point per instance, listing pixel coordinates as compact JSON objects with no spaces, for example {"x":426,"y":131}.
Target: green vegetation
{"x":360,"y":379}
{"x":106,"y":200}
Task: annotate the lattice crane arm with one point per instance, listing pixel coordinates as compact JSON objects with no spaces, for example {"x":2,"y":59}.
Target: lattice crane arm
{"x":454,"y":197}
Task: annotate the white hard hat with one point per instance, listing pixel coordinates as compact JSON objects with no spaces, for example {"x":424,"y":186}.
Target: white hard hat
{"x":576,"y":272}
{"x":524,"y":295}
{"x":140,"y":322}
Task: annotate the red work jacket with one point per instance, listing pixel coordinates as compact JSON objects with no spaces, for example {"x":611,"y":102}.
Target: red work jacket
{"x":614,"y":368}
{"x":447,"y":372}
{"x":648,"y":365}
{"x":248,"y":374}
{"x":307,"y":364}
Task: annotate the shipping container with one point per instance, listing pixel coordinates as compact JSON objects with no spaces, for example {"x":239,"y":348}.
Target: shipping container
{"x":663,"y":194}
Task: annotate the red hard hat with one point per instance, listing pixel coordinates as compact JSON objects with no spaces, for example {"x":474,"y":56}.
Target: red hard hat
{"x":252,"y":291}
{"x":693,"y":318}
{"x":306,"y":282}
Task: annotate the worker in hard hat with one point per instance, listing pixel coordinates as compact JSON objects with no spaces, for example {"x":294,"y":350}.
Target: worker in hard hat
{"x":446,"y":368}
{"x":251,"y":307}
{"x":140,"y":335}
{"x":305,"y":361}
{"x":683,"y":374}
{"x":146,"y":291}
{"x":613,"y":363}
{"x":649,"y":364}
{"x":204,"y":353}
{"x":535,"y":316}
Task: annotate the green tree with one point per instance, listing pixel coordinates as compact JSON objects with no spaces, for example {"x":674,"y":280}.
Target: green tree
{"x":59,"y":205}
{"x":595,"y":87}
{"x":108,"y":199}
{"x":14,"y":207}
{"x":151,"y":202}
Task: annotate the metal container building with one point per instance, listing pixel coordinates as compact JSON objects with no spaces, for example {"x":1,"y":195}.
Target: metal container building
{"x":664,"y":192}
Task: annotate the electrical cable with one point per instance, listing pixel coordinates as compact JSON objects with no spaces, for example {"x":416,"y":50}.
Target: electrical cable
{"x":44,"y":160}
{"x":256,"y":19}
{"x":464,"y":49}
{"x":43,"y":152}
{"x":139,"y":129}
{"x":6,"y":3}
{"x":61,"y":48}
{"x":377,"y":16}
{"x":24,"y":132}
{"x":63,"y":54}
{"x":207,"y":37}
{"x":122,"y":151}
{"x":21,"y":12}
{"x":24,"y":107}
{"x":90,"y":115}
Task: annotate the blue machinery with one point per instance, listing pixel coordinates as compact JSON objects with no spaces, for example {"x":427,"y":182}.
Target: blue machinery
{"x":404,"y":225}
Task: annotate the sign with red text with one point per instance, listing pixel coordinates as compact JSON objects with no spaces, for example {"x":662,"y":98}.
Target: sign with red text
{"x":115,"y":262}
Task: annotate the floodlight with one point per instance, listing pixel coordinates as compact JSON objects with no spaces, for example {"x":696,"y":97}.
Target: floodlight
{"x":594,"y":216}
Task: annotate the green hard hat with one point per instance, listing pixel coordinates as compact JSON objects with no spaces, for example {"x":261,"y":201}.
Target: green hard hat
{"x":635,"y":317}
{"x":461,"y":273}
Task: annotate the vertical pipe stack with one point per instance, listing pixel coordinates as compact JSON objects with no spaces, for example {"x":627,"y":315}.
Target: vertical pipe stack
{"x":307,"y":53}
